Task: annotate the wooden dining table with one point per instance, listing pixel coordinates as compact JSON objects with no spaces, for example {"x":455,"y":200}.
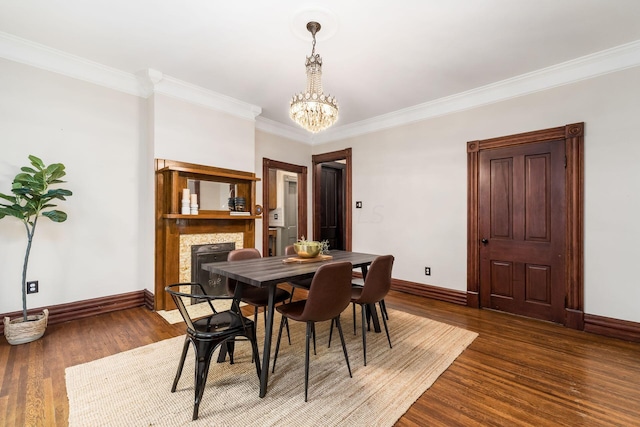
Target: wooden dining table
{"x":268,"y":272}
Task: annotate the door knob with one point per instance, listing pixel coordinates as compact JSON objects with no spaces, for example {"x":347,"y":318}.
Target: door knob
{"x":484,"y":241}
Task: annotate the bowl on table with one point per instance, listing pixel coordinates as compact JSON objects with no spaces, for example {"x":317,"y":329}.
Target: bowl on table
{"x":307,"y":249}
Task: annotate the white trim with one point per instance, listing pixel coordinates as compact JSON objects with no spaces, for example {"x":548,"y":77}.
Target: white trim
{"x":151,"y":81}
{"x":285,"y":131}
{"x":173,"y":87}
{"x":46,"y":58}
{"x":586,"y":67}
{"x":144,"y":84}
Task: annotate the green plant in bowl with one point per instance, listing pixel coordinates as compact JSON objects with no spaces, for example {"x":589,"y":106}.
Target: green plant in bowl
{"x":310,"y":248}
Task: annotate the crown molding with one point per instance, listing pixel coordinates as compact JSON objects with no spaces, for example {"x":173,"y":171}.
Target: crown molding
{"x":285,"y":131}
{"x":586,"y":67}
{"x":142,"y":84}
{"x":151,"y":81}
{"x":155,"y":82}
{"x":40,"y":56}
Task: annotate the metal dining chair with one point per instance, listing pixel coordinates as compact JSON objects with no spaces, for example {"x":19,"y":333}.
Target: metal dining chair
{"x":329,"y":295}
{"x":209,"y":332}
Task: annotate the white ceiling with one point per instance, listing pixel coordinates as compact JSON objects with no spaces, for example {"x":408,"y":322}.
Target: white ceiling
{"x":379,"y":56}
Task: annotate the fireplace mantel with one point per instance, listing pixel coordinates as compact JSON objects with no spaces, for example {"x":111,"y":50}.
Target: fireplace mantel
{"x":171,"y":178}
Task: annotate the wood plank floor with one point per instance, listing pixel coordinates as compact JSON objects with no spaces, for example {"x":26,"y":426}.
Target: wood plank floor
{"x":517,"y":372}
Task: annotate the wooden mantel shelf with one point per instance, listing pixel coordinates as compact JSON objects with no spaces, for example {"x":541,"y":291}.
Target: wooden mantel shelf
{"x":210,"y":216}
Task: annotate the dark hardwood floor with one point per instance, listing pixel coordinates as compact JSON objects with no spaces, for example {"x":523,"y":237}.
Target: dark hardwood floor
{"x":517,"y":372}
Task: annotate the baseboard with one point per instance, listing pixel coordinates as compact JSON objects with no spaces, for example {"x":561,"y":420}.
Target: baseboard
{"x":81,"y":309}
{"x":149,"y":299}
{"x":607,"y":326}
{"x":623,"y":329}
{"x":428,"y":291}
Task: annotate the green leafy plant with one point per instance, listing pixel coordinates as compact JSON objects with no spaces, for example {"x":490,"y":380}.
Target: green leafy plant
{"x":324,"y":245}
{"x":31,"y":197}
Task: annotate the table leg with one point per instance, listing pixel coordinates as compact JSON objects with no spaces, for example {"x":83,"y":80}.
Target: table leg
{"x":266,"y":352}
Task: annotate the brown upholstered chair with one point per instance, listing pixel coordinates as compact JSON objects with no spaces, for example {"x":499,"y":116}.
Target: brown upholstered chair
{"x":207,"y":333}
{"x":256,"y":297}
{"x":329,"y":295}
{"x":301,"y":284}
{"x":376,"y":287}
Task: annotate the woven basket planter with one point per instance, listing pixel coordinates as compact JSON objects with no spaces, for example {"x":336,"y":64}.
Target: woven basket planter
{"x":17,"y":331}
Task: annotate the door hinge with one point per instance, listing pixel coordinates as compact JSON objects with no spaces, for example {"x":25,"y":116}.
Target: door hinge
{"x":565,"y":162}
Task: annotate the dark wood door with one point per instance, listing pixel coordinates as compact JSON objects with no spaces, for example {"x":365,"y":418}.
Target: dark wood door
{"x":522,"y":212}
{"x":332,"y":205}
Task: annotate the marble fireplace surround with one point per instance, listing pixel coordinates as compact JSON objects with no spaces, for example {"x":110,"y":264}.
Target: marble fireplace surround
{"x":188,"y":240}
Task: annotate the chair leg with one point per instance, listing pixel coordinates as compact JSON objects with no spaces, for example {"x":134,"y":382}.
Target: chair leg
{"x":255,"y":316}
{"x":293,"y":289}
{"x":255,"y":322}
{"x":185,"y":348}
{"x":330,"y":332}
{"x":275,"y":357}
{"x":383,"y":309}
{"x":364,"y":332}
{"x":306,"y":361}
{"x":230,"y":345}
{"x":344,"y":347}
{"x":286,"y":324}
{"x":313,"y":332}
{"x":204,"y":351}
{"x":384,"y":320}
{"x":353,"y":304}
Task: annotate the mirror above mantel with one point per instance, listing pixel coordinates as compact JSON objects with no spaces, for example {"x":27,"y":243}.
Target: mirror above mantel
{"x":212,"y":195}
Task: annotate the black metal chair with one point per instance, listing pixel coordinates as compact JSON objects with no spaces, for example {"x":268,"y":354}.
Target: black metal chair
{"x":209,"y":332}
{"x":329,"y":295}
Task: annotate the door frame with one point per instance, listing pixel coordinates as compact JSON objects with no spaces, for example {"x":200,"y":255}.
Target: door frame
{"x":302,"y":197}
{"x":573,"y":135}
{"x":317,"y":160}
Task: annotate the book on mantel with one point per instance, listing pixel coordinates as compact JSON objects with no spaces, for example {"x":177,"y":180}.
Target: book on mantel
{"x":234,"y":213}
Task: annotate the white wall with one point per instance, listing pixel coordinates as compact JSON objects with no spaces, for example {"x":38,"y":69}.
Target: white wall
{"x":411,"y":179}
{"x":105,"y":247}
{"x":412,"y":182}
{"x":191,"y":133}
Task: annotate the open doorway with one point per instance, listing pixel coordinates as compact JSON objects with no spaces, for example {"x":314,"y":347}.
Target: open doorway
{"x":284,"y":197}
{"x":332,"y":198}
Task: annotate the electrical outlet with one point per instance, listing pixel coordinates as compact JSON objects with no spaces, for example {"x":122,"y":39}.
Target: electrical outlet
{"x":358,"y":205}
{"x":32,"y":287}
{"x":427,"y":271}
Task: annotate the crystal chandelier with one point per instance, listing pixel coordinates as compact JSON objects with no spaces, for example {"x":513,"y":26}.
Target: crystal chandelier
{"x":312,"y":109}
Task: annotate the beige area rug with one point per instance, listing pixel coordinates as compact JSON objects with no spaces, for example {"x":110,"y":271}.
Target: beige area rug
{"x":133,"y":388}
{"x":196,"y":310}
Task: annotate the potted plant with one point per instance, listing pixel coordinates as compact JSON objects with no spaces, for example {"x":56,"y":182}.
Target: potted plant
{"x":32,"y":197}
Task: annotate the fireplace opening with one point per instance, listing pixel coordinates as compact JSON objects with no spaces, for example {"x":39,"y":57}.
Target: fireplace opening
{"x":214,"y":284}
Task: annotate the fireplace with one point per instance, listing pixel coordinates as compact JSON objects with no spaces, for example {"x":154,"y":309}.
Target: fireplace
{"x":177,"y":232}
{"x":213,"y":284}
